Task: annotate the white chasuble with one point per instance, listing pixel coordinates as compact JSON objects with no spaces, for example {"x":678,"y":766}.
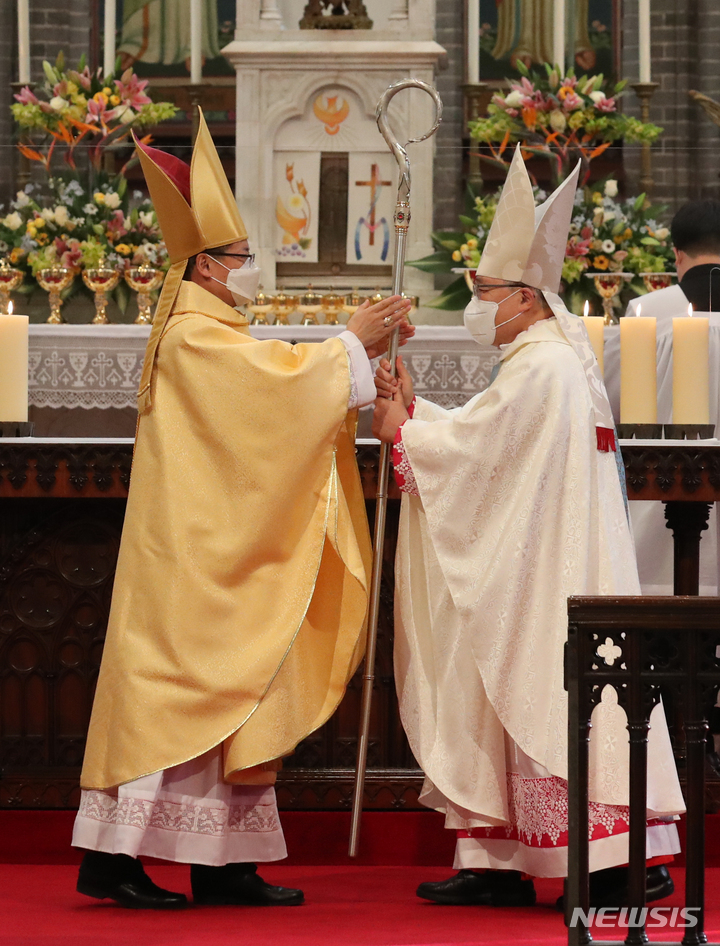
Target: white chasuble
{"x":517,"y":511}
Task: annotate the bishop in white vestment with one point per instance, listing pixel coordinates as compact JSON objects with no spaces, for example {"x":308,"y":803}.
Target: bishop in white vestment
{"x":513,"y":503}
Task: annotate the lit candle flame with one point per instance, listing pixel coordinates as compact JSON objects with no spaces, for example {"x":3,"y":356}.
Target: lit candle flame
{"x":639,"y":309}
{"x":10,"y":308}
{"x":690,"y":310}
{"x":586,"y":308}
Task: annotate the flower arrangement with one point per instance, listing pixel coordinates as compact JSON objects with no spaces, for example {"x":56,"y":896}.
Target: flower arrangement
{"x":560,"y":117}
{"x":78,"y":230}
{"x":606,"y":235}
{"x":76,"y":105}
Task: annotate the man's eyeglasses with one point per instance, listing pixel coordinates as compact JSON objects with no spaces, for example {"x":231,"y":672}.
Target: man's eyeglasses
{"x":250,"y":256}
{"x":479,"y":288}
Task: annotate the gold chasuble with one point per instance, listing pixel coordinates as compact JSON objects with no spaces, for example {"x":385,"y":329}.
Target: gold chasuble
{"x":238,"y":612}
{"x":241,"y":587}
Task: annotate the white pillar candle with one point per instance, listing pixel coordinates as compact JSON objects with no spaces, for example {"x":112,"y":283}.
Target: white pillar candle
{"x":691,"y":370}
{"x":473,"y":41}
{"x":109,"y":37}
{"x":14,"y":367}
{"x":559,"y":34}
{"x":638,"y":371}
{"x":595,"y":326}
{"x":196,"y":41}
{"x":644,"y":39}
{"x":23,"y":20}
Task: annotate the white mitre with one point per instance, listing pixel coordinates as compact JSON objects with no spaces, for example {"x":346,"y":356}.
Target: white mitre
{"x":527,"y":244}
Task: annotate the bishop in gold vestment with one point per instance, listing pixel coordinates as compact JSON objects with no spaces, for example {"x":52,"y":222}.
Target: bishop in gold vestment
{"x":238,"y":613}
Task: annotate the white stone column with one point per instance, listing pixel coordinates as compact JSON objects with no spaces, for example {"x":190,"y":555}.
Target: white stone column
{"x":398,"y":16}
{"x":270,"y":15}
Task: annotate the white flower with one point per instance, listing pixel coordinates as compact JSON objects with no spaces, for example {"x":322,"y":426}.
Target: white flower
{"x":597,"y":97}
{"x":48,"y":215}
{"x":21,"y":199}
{"x":58,"y":103}
{"x":514,"y":99}
{"x":112,"y":200}
{"x":61,"y":216}
{"x":574,"y":229}
{"x":13,"y":221}
{"x":663,"y":233}
{"x":608,"y":246}
{"x":138,"y":195}
{"x":611,"y":188}
{"x":558,"y":122}
{"x":74,"y":188}
{"x":146,"y":218}
{"x":608,"y":215}
{"x":90,"y":210}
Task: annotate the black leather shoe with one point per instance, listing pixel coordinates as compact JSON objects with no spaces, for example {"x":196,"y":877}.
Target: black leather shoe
{"x":609,"y":887}
{"x":497,"y":888}
{"x":239,"y":885}
{"x":122,"y":878}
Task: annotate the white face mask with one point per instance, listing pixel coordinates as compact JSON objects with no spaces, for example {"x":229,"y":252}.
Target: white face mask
{"x":242,"y":283}
{"x":479,"y":318}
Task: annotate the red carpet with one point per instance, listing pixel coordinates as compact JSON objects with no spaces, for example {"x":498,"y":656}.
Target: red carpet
{"x":348,"y":904}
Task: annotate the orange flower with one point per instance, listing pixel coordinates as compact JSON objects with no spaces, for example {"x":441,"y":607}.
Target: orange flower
{"x":17,"y":254}
{"x":289,"y":171}
{"x":600,"y":262}
{"x":529,"y":116}
{"x":301,"y":187}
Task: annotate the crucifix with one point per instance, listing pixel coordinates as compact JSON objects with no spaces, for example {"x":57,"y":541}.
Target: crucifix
{"x":375,"y":185}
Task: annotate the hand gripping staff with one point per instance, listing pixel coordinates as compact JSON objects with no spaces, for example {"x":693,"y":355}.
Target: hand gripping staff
{"x":402,"y":219}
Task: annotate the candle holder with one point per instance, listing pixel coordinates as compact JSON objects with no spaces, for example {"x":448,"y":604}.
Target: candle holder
{"x":644,"y":92}
{"x":332,"y":306}
{"x":101,"y":280}
{"x":284,"y":306}
{"x":19,"y":428}
{"x":310,"y":305}
{"x":655,"y":281}
{"x":260,"y":308}
{"x":55,"y":280}
{"x":143,"y":280}
{"x":689,"y":431}
{"x":475,"y":99}
{"x":10,"y":279}
{"x":608,"y":286}
{"x":639,"y":431}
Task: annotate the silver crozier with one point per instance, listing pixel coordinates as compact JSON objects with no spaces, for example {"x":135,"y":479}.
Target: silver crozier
{"x":402,"y":219}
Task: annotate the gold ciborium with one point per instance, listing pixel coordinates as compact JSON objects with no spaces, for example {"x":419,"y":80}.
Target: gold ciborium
{"x":55,"y":280}
{"x":310,"y":305}
{"x":260,"y":308}
{"x":284,"y":306}
{"x":10,"y":279}
{"x":377,"y":296}
{"x":101,"y":279}
{"x":654,"y":281}
{"x":143,"y":280}
{"x":608,"y":286}
{"x":353,"y":301}
{"x":332,"y":306}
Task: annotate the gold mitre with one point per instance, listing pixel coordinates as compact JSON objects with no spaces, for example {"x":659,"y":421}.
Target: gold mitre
{"x":527,"y":244}
{"x":196,"y":211}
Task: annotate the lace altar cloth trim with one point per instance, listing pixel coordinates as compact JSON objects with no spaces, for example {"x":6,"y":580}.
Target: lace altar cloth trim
{"x":538,"y":809}
{"x":97,"y":370}
{"x":176,"y":816}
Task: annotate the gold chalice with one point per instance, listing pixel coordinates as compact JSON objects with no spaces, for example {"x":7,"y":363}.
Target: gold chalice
{"x":10,"y":279}
{"x":260,"y":308}
{"x":284,"y":306}
{"x":655,"y":281}
{"x":310,"y":305}
{"x":608,"y":286}
{"x":143,"y":280}
{"x":101,"y":279}
{"x":332,"y":306}
{"x":55,"y":280}
{"x":376,"y":297}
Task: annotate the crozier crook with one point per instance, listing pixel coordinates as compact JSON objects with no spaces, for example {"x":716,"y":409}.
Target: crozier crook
{"x":402,"y":220}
